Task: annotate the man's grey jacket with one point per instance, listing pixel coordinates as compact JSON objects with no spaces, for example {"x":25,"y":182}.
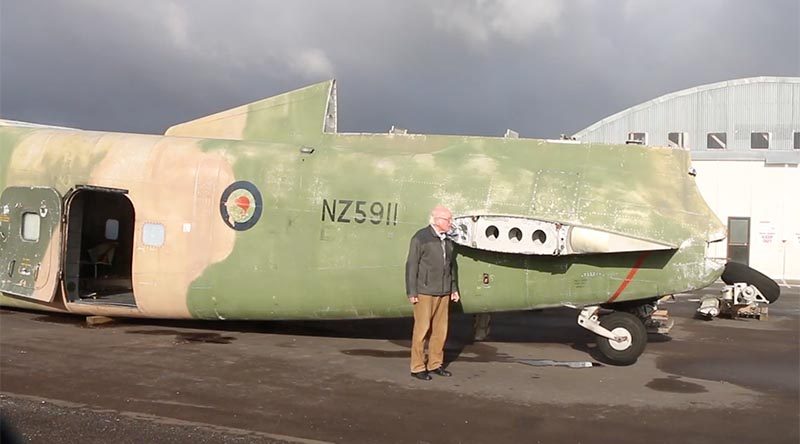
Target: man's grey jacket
{"x":431,"y":267}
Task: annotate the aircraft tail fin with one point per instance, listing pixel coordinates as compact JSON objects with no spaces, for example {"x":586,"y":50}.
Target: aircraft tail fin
{"x":291,"y":116}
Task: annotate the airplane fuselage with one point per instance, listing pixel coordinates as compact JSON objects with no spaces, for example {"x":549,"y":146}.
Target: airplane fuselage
{"x":245,"y":229}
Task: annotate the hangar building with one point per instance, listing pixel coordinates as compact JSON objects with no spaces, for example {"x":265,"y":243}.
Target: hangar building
{"x":744,"y":138}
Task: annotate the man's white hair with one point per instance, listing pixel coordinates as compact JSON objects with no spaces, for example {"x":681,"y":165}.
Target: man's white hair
{"x":437,"y":211}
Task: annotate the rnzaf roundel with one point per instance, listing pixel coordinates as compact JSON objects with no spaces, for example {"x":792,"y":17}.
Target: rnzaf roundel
{"x":240,"y":205}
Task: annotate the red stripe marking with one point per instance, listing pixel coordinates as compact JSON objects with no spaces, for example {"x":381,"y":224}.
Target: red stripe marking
{"x":630,"y":275}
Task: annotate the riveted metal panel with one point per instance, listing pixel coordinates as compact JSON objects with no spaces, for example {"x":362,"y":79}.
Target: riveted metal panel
{"x":30,"y":236}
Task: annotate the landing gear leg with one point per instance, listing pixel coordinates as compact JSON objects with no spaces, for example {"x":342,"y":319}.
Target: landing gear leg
{"x":480,"y":326}
{"x":621,"y":336}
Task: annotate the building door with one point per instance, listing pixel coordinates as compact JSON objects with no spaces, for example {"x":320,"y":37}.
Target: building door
{"x":739,"y":240}
{"x":30,"y":242}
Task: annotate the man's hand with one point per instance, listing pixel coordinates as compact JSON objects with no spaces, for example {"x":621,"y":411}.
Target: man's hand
{"x":454,"y":296}
{"x":413,"y":299}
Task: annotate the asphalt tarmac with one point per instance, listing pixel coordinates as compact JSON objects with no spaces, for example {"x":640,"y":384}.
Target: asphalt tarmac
{"x":147,"y":381}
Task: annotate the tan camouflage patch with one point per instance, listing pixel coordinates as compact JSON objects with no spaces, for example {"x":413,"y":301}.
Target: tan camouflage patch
{"x":175,"y":184}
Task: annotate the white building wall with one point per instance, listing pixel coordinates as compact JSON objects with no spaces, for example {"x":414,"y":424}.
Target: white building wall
{"x":769,"y":196}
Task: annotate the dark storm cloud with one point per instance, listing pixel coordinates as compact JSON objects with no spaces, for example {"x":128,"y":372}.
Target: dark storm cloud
{"x":540,"y":67}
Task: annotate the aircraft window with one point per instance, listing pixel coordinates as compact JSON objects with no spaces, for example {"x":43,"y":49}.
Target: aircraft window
{"x":759,"y":141}
{"x":515,"y":235}
{"x":539,"y":236}
{"x":797,"y":140}
{"x":717,"y":140}
{"x":677,"y":140}
{"x":153,"y":235}
{"x":492,"y":232}
{"x":31,"y":226}
{"x":112,"y":229}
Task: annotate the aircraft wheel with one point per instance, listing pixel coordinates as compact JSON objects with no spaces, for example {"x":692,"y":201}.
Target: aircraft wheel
{"x":736,"y":272}
{"x":622,"y":324}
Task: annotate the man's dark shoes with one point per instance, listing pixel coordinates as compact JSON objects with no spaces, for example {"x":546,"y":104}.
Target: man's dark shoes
{"x":423,"y":375}
{"x":441,"y":372}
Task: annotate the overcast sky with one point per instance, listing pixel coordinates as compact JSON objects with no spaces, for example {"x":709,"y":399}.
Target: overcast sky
{"x":541,"y":67}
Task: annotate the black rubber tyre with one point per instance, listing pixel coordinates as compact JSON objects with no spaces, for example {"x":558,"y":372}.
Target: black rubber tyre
{"x":736,"y":273}
{"x":624,"y":324}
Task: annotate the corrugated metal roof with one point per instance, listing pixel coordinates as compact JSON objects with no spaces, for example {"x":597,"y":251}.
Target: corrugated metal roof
{"x":737,"y":108}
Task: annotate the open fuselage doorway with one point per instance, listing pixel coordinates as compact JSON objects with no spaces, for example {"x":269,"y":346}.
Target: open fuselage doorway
{"x":99,"y":253}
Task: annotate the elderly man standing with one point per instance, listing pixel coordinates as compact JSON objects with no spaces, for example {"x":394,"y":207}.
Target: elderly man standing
{"x":431,"y":283}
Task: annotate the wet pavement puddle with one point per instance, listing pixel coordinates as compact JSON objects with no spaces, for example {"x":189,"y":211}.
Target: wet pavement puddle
{"x":377,"y":353}
{"x":187,"y":338}
{"x":673,"y":384}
